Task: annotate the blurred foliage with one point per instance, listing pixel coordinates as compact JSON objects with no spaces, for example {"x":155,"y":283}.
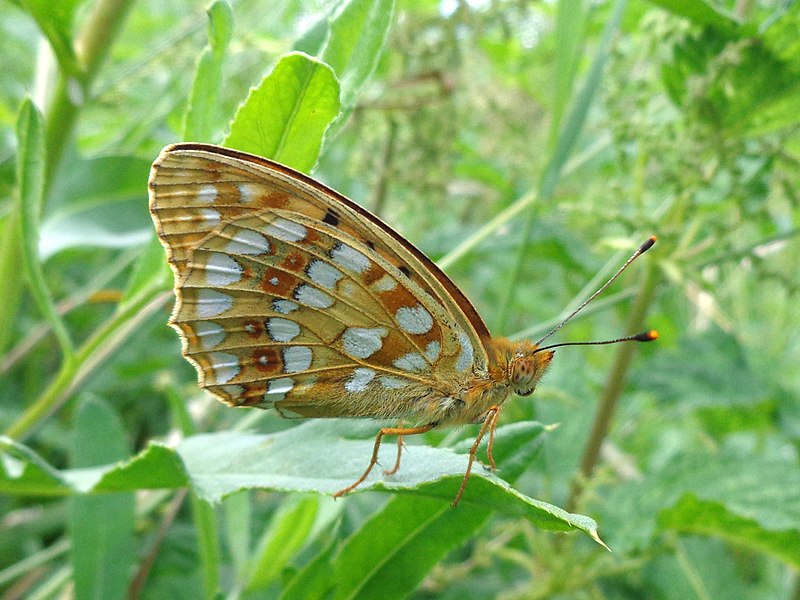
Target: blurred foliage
{"x":530,"y":147}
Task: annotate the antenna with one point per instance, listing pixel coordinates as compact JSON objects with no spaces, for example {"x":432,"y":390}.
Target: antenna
{"x":647,"y":336}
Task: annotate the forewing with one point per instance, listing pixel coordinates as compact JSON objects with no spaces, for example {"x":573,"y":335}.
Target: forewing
{"x":290,"y":295}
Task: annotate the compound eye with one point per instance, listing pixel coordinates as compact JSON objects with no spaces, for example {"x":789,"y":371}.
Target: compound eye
{"x":522,"y":371}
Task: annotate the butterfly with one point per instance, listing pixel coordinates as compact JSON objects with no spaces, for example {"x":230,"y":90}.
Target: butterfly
{"x":291,"y":297}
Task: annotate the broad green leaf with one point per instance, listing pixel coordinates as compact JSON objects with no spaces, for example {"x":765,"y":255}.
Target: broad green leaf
{"x":754,"y":501}
{"x":286,"y":116}
{"x":320,"y":456}
{"x":355,"y":40}
{"x":101,"y":204}
{"x":692,"y":515}
{"x":25,"y":473}
{"x":157,"y":466}
{"x":201,"y":115}
{"x":101,"y":526}
{"x":706,"y":67}
{"x":397,"y":547}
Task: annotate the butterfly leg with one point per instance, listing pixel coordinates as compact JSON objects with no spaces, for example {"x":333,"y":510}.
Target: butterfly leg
{"x":489,"y":424}
{"x":396,"y":466}
{"x":399,"y":431}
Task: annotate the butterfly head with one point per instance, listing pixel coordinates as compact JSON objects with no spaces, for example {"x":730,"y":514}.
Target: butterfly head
{"x":526,"y":369}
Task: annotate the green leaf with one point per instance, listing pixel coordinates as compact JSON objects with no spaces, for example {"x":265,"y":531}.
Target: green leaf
{"x":693,"y":515}
{"x":700,"y":12}
{"x":98,"y":210}
{"x":286,"y":116}
{"x":313,"y":581}
{"x":324,"y":456}
{"x":55,"y":19}
{"x":753,"y":501}
{"x":570,"y":35}
{"x":155,"y":467}
{"x":101,"y":527}
{"x":237,"y":510}
{"x":397,"y":547}
{"x":287,"y":533}
{"x":25,"y":473}
{"x":30,"y":180}
{"x":201,"y":114}
{"x":708,"y":67}
{"x":356,"y":38}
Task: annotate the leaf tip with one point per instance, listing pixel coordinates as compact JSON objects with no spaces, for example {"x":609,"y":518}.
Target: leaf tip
{"x":596,"y":538}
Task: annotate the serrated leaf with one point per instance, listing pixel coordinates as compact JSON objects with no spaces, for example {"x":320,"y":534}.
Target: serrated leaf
{"x":319,"y":456}
{"x":700,"y":12}
{"x":392,"y":552}
{"x":23,"y":472}
{"x":755,"y":501}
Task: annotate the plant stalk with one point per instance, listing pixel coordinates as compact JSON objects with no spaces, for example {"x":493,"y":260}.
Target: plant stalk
{"x":614,"y":384}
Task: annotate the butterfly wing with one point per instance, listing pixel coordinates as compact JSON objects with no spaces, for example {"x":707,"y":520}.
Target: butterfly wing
{"x":291,"y":296}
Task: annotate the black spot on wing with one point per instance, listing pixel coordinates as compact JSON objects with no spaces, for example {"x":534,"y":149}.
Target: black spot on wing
{"x":331,"y":218}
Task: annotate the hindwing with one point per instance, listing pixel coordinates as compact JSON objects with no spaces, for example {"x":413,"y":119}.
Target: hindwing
{"x":289,"y":295}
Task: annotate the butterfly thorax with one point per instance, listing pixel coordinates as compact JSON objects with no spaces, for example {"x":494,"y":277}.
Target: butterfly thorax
{"x":514,"y":367}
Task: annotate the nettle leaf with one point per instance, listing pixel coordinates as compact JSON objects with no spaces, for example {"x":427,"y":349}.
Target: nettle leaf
{"x":753,"y":501}
{"x":708,"y":67}
{"x":401,"y":543}
{"x":700,"y":12}
{"x":320,"y":456}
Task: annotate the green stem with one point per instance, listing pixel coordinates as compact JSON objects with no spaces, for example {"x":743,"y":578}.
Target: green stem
{"x":615,"y":383}
{"x":72,"y":89}
{"x":107,"y":339}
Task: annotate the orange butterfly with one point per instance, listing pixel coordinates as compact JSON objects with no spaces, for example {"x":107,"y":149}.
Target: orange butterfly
{"x":292,"y":297}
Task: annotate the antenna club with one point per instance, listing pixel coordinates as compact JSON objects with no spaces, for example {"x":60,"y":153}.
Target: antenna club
{"x":646,"y":336}
{"x":648,"y":244}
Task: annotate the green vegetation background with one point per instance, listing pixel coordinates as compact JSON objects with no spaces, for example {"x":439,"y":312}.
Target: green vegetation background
{"x":528,"y":147}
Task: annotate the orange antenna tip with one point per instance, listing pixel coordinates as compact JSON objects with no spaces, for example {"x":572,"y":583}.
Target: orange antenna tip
{"x":645,"y":336}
